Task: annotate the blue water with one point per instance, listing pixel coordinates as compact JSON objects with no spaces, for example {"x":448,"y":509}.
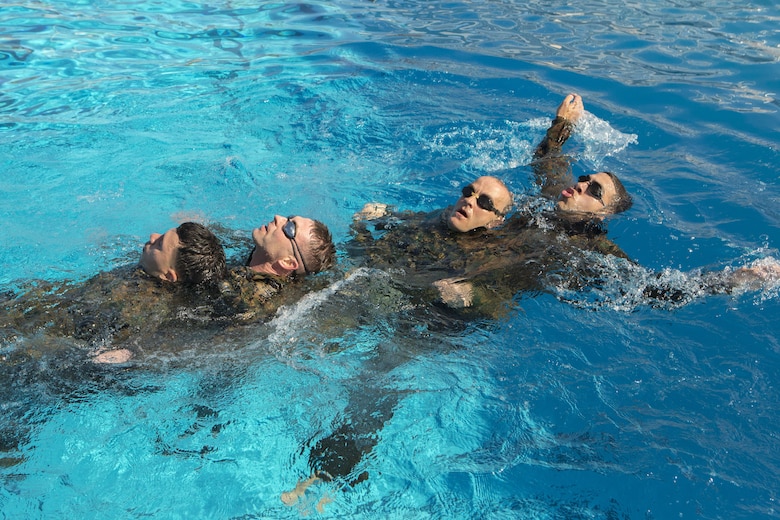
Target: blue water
{"x":122,"y":118}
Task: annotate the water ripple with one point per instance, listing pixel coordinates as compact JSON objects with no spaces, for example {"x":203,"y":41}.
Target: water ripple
{"x":664,"y":44}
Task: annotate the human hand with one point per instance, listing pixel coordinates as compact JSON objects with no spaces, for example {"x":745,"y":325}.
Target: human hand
{"x":765,"y":271}
{"x":121,"y":355}
{"x":571,"y":108}
{"x":455,"y":292}
{"x":371,"y":211}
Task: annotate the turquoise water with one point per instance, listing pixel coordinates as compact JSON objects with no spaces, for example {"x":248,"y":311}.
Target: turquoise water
{"x":122,"y":118}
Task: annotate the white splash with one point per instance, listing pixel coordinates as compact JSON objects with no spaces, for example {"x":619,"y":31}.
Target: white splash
{"x":288,"y":319}
{"x":600,"y":139}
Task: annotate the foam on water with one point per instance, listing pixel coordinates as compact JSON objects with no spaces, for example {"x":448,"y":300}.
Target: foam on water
{"x":498,"y":147}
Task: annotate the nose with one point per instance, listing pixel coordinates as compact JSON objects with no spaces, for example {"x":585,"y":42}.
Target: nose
{"x":153,"y":237}
{"x":278,"y":219}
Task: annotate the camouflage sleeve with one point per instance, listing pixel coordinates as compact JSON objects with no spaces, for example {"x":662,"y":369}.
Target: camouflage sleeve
{"x":393,"y":239}
{"x":490,"y":291}
{"x":531,"y":262}
{"x":493,"y":296}
{"x":39,"y":308}
{"x":246,"y":295}
{"x":390,"y":219}
{"x":600,"y":244}
{"x":666,"y":290}
{"x":551,"y":168}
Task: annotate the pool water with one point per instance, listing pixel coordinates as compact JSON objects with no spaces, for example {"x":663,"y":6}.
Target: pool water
{"x":122,"y":118}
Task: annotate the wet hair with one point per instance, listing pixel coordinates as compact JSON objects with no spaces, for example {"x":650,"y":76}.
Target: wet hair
{"x":622,"y":200}
{"x":200,"y":259}
{"x":322,"y":251}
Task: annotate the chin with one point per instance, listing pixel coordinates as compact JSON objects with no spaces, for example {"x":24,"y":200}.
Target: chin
{"x":457,"y":225}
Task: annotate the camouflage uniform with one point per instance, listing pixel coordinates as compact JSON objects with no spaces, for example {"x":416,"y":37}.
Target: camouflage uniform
{"x":110,"y":306}
{"x":247,"y":294}
{"x":125,"y":308}
{"x":498,"y":263}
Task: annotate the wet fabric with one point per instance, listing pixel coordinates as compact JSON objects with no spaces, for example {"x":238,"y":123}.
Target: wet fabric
{"x":126,"y":308}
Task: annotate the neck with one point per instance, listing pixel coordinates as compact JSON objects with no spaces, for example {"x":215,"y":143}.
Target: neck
{"x":257,"y":263}
{"x":578,"y":223}
{"x":263,"y":268}
{"x":260,"y":265}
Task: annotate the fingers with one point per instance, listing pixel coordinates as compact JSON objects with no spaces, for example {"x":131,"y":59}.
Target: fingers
{"x":576,"y":101}
{"x":371,"y":211}
{"x":572,"y":101}
{"x":571,"y":107}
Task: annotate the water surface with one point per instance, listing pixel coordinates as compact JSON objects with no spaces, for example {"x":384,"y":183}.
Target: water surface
{"x":122,"y":118}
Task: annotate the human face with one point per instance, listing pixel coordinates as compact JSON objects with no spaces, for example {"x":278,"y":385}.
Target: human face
{"x":591,"y":194}
{"x":282,"y":239}
{"x":159,"y":255}
{"x":480,"y":205}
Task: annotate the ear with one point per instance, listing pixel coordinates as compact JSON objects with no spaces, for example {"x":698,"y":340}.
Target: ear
{"x":286,"y":265}
{"x":169,"y":276}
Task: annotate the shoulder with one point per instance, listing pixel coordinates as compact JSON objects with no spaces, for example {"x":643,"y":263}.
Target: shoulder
{"x":251,"y":285}
{"x":245,"y":275}
{"x":245,"y":294}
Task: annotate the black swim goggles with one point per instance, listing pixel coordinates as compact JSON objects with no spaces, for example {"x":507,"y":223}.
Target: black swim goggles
{"x":594,"y":189}
{"x":290,"y":230}
{"x":483,"y":201}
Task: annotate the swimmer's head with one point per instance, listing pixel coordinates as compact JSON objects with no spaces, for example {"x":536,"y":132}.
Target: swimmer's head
{"x":189,"y":253}
{"x":289,"y":245}
{"x":483,"y":203}
{"x":600,"y":193}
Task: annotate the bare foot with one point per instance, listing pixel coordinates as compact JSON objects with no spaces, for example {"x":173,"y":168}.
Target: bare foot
{"x":290,"y":498}
{"x":324,"y":501}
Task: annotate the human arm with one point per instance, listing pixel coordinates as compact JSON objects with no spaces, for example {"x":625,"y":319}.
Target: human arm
{"x":622,"y":284}
{"x":758,"y":275}
{"x":246,"y":295}
{"x":516,"y":262}
{"x":381,"y":216}
{"x":474,"y":298}
{"x":530,"y":260}
{"x":610,"y":282}
{"x":551,"y":169}
{"x":677,"y":288}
